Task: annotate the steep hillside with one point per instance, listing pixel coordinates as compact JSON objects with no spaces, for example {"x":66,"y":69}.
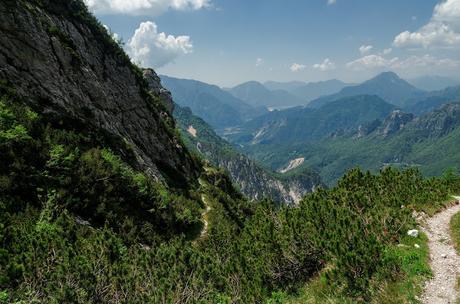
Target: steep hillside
{"x":253,"y":180}
{"x":100,"y":202}
{"x":387,"y":86}
{"x":48,"y":56}
{"x":256,"y":94}
{"x":304,"y":124}
{"x":217,"y":107}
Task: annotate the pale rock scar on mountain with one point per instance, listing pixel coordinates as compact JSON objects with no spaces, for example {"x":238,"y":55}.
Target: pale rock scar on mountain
{"x":295,"y":163}
{"x":192,"y":131}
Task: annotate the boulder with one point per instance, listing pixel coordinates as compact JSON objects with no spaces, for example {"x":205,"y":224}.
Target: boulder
{"x":413,"y":233}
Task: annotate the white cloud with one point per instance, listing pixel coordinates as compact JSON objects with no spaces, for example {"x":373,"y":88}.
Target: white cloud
{"x":425,"y":63}
{"x":144,"y":7}
{"x":387,"y":51}
{"x":331,"y":2}
{"x":370,"y":62}
{"x":326,"y":65}
{"x":152,"y":49}
{"x":443,"y":29}
{"x":114,"y":36}
{"x":296,"y":67}
{"x":364,"y":49}
{"x":259,"y":62}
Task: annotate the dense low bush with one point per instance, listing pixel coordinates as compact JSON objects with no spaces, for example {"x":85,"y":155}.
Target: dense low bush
{"x":354,"y":223}
{"x":78,"y":224}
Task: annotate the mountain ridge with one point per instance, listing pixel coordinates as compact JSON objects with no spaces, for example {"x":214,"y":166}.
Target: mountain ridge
{"x":256,"y":94}
{"x":216,"y":106}
{"x":388,"y":86}
{"x":303,"y":124}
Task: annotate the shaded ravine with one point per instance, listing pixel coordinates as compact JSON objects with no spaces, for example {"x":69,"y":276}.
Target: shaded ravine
{"x":445,"y":263}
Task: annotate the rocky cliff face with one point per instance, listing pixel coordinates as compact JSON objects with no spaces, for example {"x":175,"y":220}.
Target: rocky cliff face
{"x":64,"y":63}
{"x":439,"y":122}
{"x":154,"y":84}
{"x":395,"y":122}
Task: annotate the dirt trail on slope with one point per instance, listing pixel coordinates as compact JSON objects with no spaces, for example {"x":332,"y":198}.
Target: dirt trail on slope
{"x":444,"y":260}
{"x":204,"y":217}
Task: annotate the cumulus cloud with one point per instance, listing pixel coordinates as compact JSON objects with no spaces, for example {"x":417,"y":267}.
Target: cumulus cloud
{"x":259,"y":62}
{"x":443,"y":29}
{"x":387,"y":51}
{"x":297,"y":67}
{"x":144,"y":7}
{"x":425,"y":63}
{"x":150,"y":48}
{"x":114,"y":36}
{"x":326,"y":65}
{"x":370,"y":62}
{"x":364,"y":49}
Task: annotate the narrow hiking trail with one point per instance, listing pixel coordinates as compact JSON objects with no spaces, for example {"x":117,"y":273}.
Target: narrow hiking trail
{"x":444,"y":260}
{"x":205,"y":213}
{"x":204,"y":217}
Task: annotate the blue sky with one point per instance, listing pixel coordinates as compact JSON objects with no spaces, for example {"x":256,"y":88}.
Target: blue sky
{"x":227,"y":42}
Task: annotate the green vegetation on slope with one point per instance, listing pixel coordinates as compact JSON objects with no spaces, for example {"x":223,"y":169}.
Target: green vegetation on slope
{"x":412,"y":256}
{"x":253,"y":180}
{"x":429,"y":143}
{"x":79,"y":225}
{"x":455,"y":230}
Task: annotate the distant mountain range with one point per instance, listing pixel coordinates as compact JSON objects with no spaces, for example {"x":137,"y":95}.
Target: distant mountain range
{"x":252,"y":179}
{"x":256,"y":94}
{"x":304,"y":124}
{"x":286,"y":86}
{"x":388,"y":86}
{"x":433,"y":100}
{"x":377,"y":122}
{"x":429,"y":142}
{"x":226,"y":108}
{"x":217,"y":107}
{"x":308,"y":91}
{"x":433,"y":83}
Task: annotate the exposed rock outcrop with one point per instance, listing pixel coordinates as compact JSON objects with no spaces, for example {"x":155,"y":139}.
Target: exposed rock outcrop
{"x":154,"y":83}
{"x":439,"y":122}
{"x":395,"y":122}
{"x":253,"y":180}
{"x":64,"y":63}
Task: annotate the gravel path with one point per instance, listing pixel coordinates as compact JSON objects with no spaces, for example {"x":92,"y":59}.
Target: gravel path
{"x":445,"y":262}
